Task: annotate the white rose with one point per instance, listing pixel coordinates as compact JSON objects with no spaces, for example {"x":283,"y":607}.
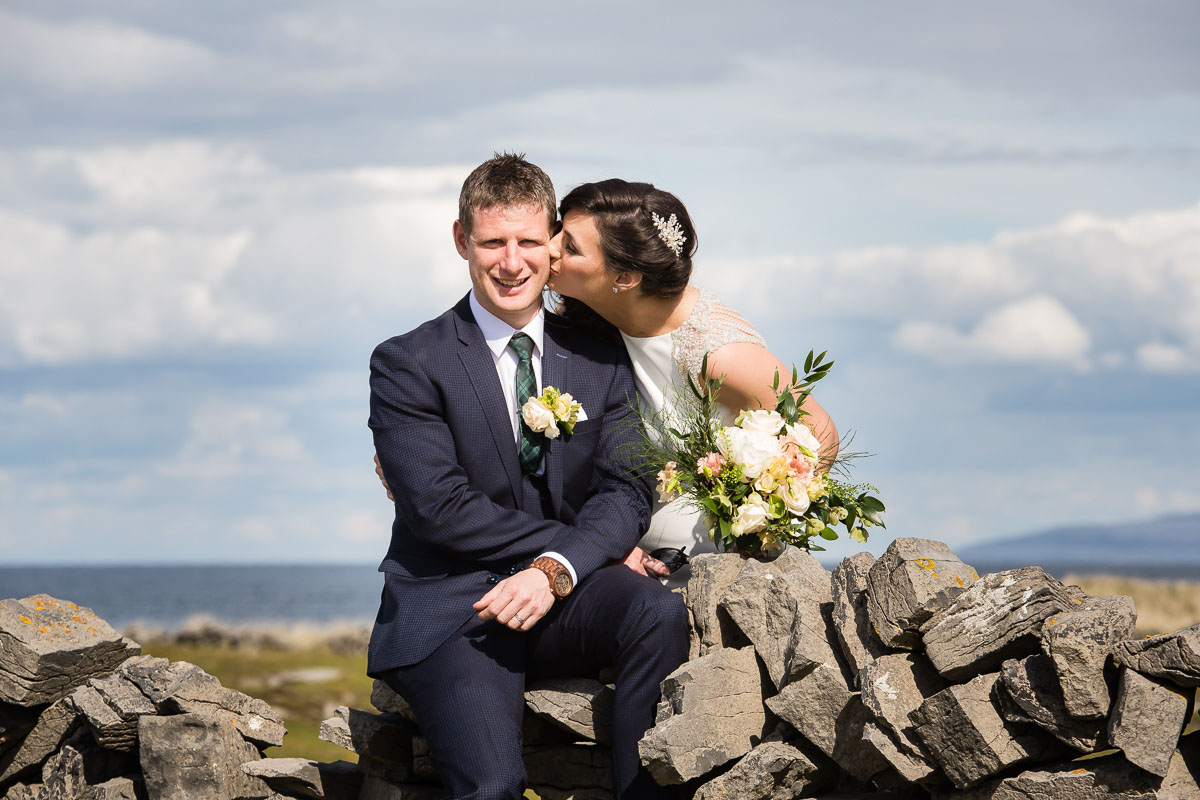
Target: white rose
{"x":539,"y":418}
{"x":805,"y":438}
{"x":762,"y":421}
{"x":753,"y":450}
{"x":795,"y":496}
{"x":751,"y":515}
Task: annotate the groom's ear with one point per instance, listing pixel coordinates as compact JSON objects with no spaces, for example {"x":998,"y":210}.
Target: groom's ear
{"x":460,"y":238}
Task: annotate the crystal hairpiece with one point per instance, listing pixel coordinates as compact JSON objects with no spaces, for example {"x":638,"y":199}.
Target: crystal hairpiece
{"x":670,"y":231}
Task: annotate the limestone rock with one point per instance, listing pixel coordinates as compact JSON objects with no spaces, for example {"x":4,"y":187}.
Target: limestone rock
{"x":299,"y":777}
{"x":157,"y":678}
{"x":908,"y":584}
{"x":48,"y":733}
{"x":1173,"y":657}
{"x":711,"y":575}
{"x":1028,"y":692}
{"x":577,"y":771}
{"x":63,"y":776}
{"x":49,"y":646}
{"x":893,"y":686}
{"x":15,"y":722}
{"x":778,"y":606}
{"x":851,"y":622}
{"x":579,"y":705}
{"x":374,"y":788}
{"x":383,"y":742}
{"x":196,"y":756}
{"x":1102,"y":779}
{"x":910,"y":769}
{"x":999,"y":617}
{"x":1080,"y":646}
{"x":23,"y":791}
{"x":115,"y":789}
{"x":963,"y":730}
{"x":825,"y":712}
{"x":112,"y":706}
{"x":1146,"y":721}
{"x":774,"y":770}
{"x":1182,"y":781}
{"x":195,"y":691}
{"x":711,"y":712}
{"x":387,"y":701}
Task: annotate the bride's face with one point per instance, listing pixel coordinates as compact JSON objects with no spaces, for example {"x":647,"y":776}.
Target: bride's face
{"x":576,"y":262}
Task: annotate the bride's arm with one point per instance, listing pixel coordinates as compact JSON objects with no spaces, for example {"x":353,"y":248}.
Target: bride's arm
{"x":749,"y":375}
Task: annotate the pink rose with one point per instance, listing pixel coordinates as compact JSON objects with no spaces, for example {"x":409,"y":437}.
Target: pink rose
{"x":711,"y":465}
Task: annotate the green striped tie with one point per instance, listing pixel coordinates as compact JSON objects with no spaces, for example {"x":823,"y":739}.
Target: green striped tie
{"x":530,"y":451}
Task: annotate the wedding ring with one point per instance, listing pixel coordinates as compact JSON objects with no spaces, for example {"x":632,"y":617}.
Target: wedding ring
{"x":520,"y":619}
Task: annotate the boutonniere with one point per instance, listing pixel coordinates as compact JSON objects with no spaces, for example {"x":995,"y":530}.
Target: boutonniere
{"x":550,"y":411}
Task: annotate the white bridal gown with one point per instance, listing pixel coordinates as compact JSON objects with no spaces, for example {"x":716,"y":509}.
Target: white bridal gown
{"x":660,"y":366}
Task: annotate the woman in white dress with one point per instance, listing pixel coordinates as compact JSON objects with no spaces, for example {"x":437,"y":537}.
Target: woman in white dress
{"x":622,"y":261}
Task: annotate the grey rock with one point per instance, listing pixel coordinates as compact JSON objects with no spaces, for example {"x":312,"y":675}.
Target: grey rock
{"x":821,"y":707}
{"x":1146,"y":721}
{"x":48,"y":733}
{"x":911,"y":769}
{"x":579,"y":705}
{"x":893,"y":686}
{"x":115,"y":789}
{"x":387,"y":701}
{"x":197,"y":692}
{"x":1080,"y":646}
{"x":375,"y":788}
{"x":778,"y":606}
{"x":851,"y":622}
{"x":63,"y":776}
{"x":15,"y":722}
{"x":711,"y":712}
{"x":1182,"y":781}
{"x":774,"y":770}
{"x":424,"y":768}
{"x":300,"y":777}
{"x":111,"y":707}
{"x":157,"y":678}
{"x":383,"y":742}
{"x":1173,"y":657}
{"x":1101,"y":779}
{"x":49,"y":646}
{"x":711,"y":575}
{"x":963,"y":730}
{"x":24,"y":791}
{"x":908,"y":584}
{"x":575,"y":771}
{"x":999,"y":617}
{"x":1028,"y":692}
{"x":197,"y":756}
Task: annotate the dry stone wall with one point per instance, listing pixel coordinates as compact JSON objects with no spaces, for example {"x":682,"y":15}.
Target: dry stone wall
{"x":908,"y":675}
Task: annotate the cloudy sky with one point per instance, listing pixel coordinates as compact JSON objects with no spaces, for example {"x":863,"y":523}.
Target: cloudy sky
{"x":210,"y":213}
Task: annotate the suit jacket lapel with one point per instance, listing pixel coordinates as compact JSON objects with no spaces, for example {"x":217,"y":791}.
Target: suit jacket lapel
{"x":480,"y":367}
{"x":556,"y":372}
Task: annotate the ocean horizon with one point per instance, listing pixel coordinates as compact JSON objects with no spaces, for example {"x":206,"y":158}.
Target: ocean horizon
{"x":169,"y":595}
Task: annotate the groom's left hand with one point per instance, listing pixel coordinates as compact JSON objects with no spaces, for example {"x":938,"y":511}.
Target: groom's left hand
{"x":526,"y":595}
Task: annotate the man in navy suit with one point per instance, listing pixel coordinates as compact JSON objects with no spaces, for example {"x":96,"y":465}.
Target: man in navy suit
{"x":506,"y":550}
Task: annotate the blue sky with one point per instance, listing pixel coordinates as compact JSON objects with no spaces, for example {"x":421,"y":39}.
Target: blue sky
{"x":209,"y":215}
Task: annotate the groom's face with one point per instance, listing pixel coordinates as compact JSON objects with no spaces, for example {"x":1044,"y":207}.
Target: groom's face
{"x":508,"y":253}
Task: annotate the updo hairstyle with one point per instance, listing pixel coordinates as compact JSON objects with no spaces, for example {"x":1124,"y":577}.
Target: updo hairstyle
{"x":629,"y":240}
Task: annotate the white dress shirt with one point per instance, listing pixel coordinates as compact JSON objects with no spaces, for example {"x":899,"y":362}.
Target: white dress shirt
{"x":497,"y":333}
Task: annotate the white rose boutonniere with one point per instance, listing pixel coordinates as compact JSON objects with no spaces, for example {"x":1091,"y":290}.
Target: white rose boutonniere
{"x":551,"y":411}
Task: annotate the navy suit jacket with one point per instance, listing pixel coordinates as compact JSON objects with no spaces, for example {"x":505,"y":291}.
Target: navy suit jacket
{"x":444,"y":437}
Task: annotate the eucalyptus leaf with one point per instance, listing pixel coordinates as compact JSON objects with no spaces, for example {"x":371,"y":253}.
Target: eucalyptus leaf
{"x":828,"y":533}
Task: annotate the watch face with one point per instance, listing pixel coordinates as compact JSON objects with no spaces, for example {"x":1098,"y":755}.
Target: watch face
{"x":562,"y":584}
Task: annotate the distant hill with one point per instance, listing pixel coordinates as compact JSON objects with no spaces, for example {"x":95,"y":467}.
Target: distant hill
{"x":1172,"y":541}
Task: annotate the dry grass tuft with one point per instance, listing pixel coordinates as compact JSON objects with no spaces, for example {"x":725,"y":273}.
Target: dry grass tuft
{"x":1163,"y":605}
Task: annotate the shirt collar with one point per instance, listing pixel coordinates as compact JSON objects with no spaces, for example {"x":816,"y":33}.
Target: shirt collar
{"x":496,"y":332}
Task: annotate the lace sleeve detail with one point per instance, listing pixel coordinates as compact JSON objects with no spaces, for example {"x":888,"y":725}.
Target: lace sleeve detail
{"x":711,"y":325}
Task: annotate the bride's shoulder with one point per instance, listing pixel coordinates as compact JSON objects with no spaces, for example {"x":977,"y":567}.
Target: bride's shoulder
{"x":711,"y":325}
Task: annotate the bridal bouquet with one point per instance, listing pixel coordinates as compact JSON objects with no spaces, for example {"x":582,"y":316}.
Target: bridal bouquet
{"x":761,"y":481}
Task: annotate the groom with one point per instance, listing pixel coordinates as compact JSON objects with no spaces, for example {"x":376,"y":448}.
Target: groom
{"x":505,"y":552}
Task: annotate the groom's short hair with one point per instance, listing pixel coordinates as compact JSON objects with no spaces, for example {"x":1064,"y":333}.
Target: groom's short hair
{"x":506,"y":180}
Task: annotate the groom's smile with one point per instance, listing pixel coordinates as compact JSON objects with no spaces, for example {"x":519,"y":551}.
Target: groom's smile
{"x":508,"y":254}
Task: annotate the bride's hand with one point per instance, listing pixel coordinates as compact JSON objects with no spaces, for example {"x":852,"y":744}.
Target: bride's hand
{"x":643,"y":563}
{"x":383,"y":480}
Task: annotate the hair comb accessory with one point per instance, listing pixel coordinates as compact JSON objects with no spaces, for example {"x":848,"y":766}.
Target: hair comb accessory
{"x":670,"y":231}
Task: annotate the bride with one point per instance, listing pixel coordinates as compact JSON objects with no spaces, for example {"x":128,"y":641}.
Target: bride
{"x":622,"y":262}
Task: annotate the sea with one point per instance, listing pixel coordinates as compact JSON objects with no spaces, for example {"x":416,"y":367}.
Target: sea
{"x":168,"y":597}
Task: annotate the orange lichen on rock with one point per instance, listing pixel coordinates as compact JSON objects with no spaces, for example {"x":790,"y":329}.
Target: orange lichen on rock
{"x":25,"y":619}
{"x":43,"y":629}
{"x":959,"y":580}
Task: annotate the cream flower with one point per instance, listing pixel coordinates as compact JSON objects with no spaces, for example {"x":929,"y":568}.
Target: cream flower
{"x":539,"y":417}
{"x":804,"y":437}
{"x":761,"y":421}
{"x":753,"y":450}
{"x":795,"y":496}
{"x":751,"y":516}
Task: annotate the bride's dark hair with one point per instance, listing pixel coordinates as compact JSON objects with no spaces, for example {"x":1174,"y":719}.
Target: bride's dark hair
{"x":629,"y":239}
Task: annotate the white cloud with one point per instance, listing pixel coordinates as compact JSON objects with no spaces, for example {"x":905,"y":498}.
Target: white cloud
{"x":96,"y":55}
{"x":1034,"y":330}
{"x":1163,"y":357}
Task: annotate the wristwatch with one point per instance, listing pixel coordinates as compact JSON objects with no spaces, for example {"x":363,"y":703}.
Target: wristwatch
{"x":560,"y":578}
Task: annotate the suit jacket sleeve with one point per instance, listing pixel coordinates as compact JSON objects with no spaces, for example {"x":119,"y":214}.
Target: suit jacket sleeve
{"x":433,"y":494}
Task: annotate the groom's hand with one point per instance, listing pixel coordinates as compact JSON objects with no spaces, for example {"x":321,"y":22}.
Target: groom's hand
{"x":526,"y":595}
{"x":643,"y":563}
